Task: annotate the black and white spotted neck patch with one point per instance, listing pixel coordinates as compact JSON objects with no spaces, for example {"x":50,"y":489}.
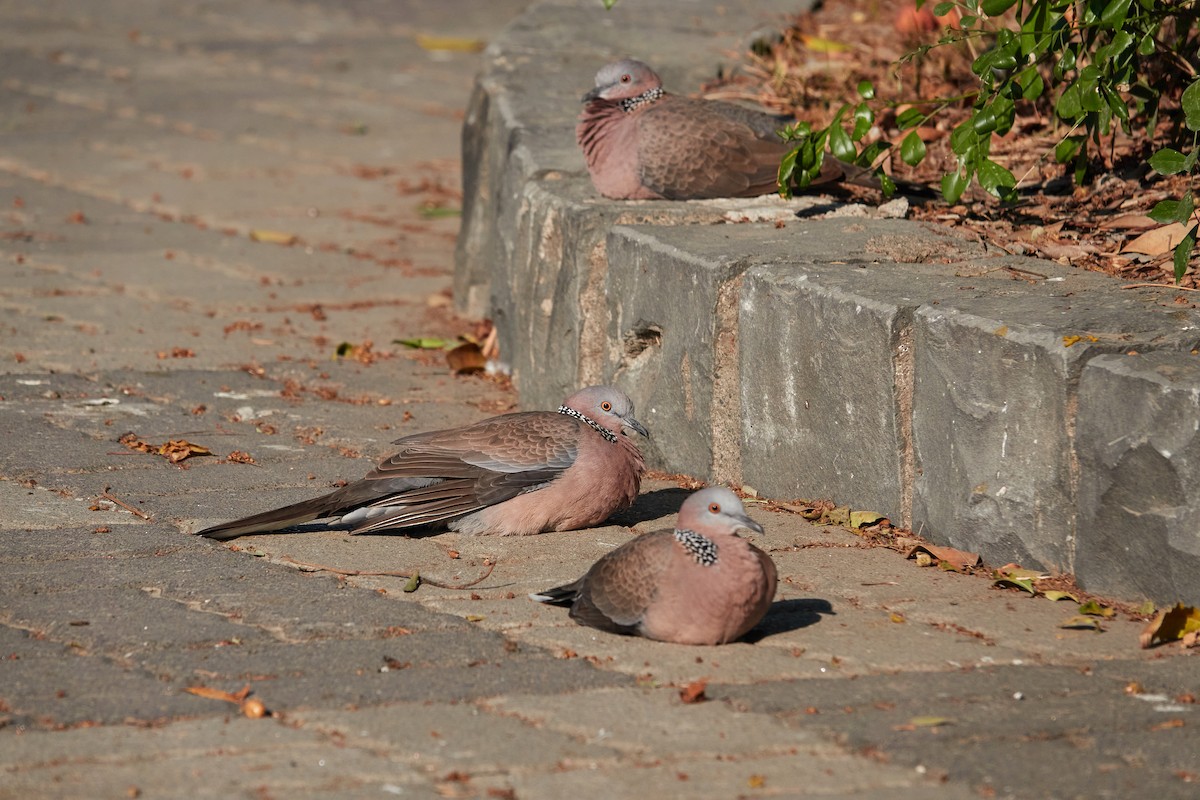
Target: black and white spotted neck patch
{"x":645,"y":98}
{"x":702,"y":549}
{"x":591,"y":423}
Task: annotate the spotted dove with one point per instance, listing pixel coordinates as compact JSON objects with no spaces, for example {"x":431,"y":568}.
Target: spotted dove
{"x":698,"y":584}
{"x":642,"y":143}
{"x":513,"y":474}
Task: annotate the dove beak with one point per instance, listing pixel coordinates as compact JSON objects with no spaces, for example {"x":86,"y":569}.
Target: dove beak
{"x":747,"y":524}
{"x":594,"y":94}
{"x":633,"y":425}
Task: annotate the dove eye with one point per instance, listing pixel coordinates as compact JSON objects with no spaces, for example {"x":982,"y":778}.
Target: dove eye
{"x":626,"y":78}
{"x":606,"y":406}
{"x":714,"y":508}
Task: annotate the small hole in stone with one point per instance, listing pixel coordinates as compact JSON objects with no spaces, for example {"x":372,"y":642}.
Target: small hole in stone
{"x":643,"y":336}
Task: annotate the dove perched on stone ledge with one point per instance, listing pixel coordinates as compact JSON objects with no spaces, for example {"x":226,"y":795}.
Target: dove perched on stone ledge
{"x":698,"y":584}
{"x":643,"y":143}
{"x":514,"y":474}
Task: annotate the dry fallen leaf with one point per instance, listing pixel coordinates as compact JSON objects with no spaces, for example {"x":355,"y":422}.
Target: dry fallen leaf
{"x":1081,"y":622}
{"x":1096,"y":609}
{"x":1158,"y":241}
{"x":238,"y":457}
{"x":456,"y":44}
{"x":273,"y":237}
{"x":177,"y":450}
{"x":961,"y":559}
{"x":466,"y":358}
{"x":694,"y":692}
{"x":1171,"y":625}
{"x":1054,"y":596}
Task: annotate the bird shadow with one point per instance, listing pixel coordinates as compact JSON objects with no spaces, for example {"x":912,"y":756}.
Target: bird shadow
{"x":789,"y":615}
{"x":651,"y":506}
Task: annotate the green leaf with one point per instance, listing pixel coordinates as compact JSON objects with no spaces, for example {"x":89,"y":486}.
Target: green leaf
{"x":1066,"y":62}
{"x":840,"y":144}
{"x":1095,"y":609}
{"x":909,"y":118}
{"x":1183,"y":252}
{"x":887,"y":184}
{"x":1113,"y":15}
{"x":994,"y":8}
{"x":1089,"y":88}
{"x":863,"y":119}
{"x":866,"y":90}
{"x":1120,"y":43}
{"x":1069,"y":106}
{"x":1024,"y":584}
{"x":1146,"y":45}
{"x":942,"y":9}
{"x":1031,"y":83}
{"x":963,"y":138}
{"x":786,"y":168}
{"x":1167,"y":161}
{"x":953,"y":185}
{"x":1065,"y":150}
{"x":1191,"y":106}
{"x":413,"y":584}
{"x":1055,"y":595}
{"x":912,"y":149}
{"x":1167,"y":211}
{"x":995,"y":179}
{"x":984,"y":121}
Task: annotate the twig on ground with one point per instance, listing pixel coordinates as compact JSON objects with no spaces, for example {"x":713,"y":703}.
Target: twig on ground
{"x":491,"y":565}
{"x":137,"y":512}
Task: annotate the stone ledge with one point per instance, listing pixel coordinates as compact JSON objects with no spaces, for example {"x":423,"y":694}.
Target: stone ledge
{"x":882,"y":364}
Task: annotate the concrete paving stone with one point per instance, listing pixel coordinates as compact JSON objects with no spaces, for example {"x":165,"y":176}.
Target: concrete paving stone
{"x":636,"y":722}
{"x":51,"y":684}
{"x":441,"y":737}
{"x":124,"y":624}
{"x":1074,"y":733}
{"x":1138,"y":466}
{"x":799,"y":775}
{"x":228,"y":757}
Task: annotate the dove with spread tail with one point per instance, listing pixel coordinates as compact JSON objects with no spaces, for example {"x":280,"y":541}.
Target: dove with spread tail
{"x":697,"y":584}
{"x":514,"y":474}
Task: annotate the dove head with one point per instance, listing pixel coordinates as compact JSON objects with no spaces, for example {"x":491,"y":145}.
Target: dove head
{"x":715,"y":511}
{"x":622,"y":80}
{"x":606,"y":406}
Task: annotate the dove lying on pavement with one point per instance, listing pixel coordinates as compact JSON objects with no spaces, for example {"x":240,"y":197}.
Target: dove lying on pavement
{"x":514,"y":474}
{"x":641,"y":142}
{"x":698,"y":584}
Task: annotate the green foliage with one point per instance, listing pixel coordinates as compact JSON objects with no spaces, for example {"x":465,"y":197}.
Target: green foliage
{"x":1097,"y":65}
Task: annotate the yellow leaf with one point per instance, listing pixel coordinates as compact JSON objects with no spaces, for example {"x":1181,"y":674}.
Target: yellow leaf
{"x":757,"y":781}
{"x":861,"y":519}
{"x":930,"y":722}
{"x":1095,"y":609}
{"x":1080,"y":621}
{"x":1070,"y":340}
{"x":1171,"y":625}
{"x":457,"y":44}
{"x":819,"y":45}
{"x":273,"y":237}
{"x":1001,"y":331}
{"x":1055,"y":596}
